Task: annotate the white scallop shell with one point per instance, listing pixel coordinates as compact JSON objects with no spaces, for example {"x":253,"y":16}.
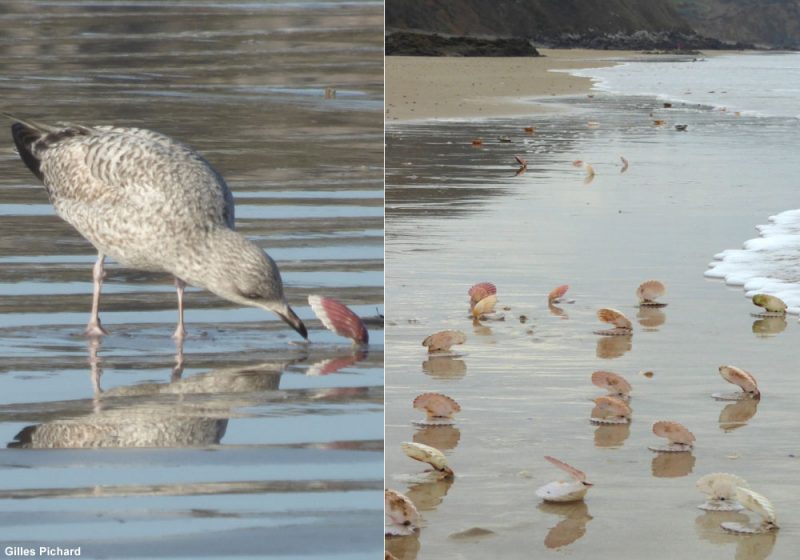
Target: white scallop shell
{"x":649,"y":291}
{"x":756,"y":503}
{"x":402,"y":517}
{"x":426,"y":454}
{"x":562,"y":491}
{"x":721,"y":491}
{"x":484,"y":306}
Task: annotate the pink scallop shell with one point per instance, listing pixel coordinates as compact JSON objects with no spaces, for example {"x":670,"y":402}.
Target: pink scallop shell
{"x":339,"y":318}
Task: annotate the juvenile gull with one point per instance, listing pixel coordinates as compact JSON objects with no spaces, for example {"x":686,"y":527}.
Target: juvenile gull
{"x":150,"y":203}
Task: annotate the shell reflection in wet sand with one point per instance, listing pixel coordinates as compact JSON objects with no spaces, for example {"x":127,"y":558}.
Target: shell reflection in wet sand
{"x":610,"y":410}
{"x":609,"y":436}
{"x":672,"y":465}
{"x":679,"y":437}
{"x":610,"y":347}
{"x":736,"y":415}
{"x":442,"y":341}
{"x":571,"y":528}
{"x":622,"y":325}
{"x":769,"y":325}
{"x":444,"y":438}
{"x":773,"y":306}
{"x":561,"y":491}
{"x":648,"y":292}
{"x":439,"y":409}
{"x":430,"y":455}
{"x":429,"y":494}
{"x":444,"y":367}
{"x":650,"y":318}
{"x":339,"y":318}
{"x":401,"y":515}
{"x":742,"y":379}
{"x":720,"y":489}
{"x":755,"y":547}
{"x":615,"y":384}
{"x":758,"y":504}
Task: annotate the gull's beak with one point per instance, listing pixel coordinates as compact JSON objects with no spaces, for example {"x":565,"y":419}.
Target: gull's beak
{"x":291,"y":319}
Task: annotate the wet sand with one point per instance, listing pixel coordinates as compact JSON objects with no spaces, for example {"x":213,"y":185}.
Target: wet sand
{"x":241,"y":441}
{"x":454,"y":87}
{"x":457,"y":215}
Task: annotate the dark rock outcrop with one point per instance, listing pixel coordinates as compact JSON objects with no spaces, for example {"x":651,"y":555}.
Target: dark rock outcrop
{"x":425,"y":44}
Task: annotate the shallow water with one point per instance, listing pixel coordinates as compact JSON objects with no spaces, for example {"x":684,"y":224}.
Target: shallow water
{"x":242,"y":442}
{"x":457,"y":215}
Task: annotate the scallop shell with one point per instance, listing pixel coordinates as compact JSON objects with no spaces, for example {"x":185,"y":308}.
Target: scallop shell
{"x":439,"y":408}
{"x":740,"y":378}
{"x":774,"y":306}
{"x":401,"y":514}
{"x":427,"y":454}
{"x":621,"y":322}
{"x":557,"y":293}
{"x":484,"y":306}
{"x":721,"y":491}
{"x":680,"y":438}
{"x":578,"y":475}
{"x":615,"y":384}
{"x":480,"y":291}
{"x":757,"y":504}
{"x":610,"y":410}
{"x":649,"y":291}
{"x":562,"y":491}
{"x":337,"y":317}
{"x":443,"y":340}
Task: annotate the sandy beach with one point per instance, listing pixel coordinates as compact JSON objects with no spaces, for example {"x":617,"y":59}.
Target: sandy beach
{"x":454,"y":87}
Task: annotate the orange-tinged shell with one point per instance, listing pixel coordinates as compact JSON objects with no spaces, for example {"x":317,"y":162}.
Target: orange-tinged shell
{"x":659,"y":122}
{"x":521,"y":161}
{"x":443,"y":340}
{"x":578,"y":475}
{"x":674,"y":432}
{"x":480,"y":291}
{"x":337,"y":317}
{"x":437,"y":406}
{"x":741,"y":378}
{"x":649,"y":291}
{"x":614,"y":317}
{"x":484,"y":306}
{"x":611,"y":382}
{"x":401,"y":512}
{"x":611,"y":407}
{"x":477,"y":142}
{"x":530,"y":129}
{"x":557,"y":293}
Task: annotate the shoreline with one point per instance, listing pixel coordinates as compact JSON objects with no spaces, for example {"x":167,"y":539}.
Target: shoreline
{"x":448,"y":88}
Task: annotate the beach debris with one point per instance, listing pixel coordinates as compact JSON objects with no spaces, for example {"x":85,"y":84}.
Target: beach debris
{"x":622,"y":325}
{"x":402,"y":517}
{"x":530,"y":129}
{"x":624,"y":164}
{"x":589,"y":170}
{"x":523,"y":165}
{"x":439,"y":409}
{"x":680,"y":438}
{"x":667,"y":105}
{"x":759,"y":505}
{"x":427,"y":454}
{"x":649,"y":374}
{"x":442,"y":341}
{"x":557,"y":294}
{"x":610,"y":410}
{"x":504,"y":139}
{"x":330,"y":93}
{"x":740,"y":378}
{"x":649,"y":291}
{"x":477,"y":142}
{"x":592,"y":124}
{"x":480,"y":291}
{"x":615,"y":384}
{"x":338,"y":318}
{"x":659,"y":122}
{"x":561,"y":491}
{"x":773,"y":306}
{"x":681,"y":127}
{"x":590,"y":96}
{"x":721,"y":491}
{"x":577,"y":163}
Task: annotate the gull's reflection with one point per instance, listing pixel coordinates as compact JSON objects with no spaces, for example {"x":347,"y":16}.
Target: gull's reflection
{"x":672,"y":465}
{"x":610,"y":347}
{"x":650,"y":317}
{"x":737,"y":414}
{"x":611,"y":435}
{"x":444,"y":367}
{"x":769,"y":325}
{"x":748,"y":547}
{"x":571,"y":528}
{"x":443,"y":438}
{"x":428,"y":494}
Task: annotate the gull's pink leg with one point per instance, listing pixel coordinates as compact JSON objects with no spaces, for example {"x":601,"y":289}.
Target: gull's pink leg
{"x":180,"y":331}
{"x":94,"y":328}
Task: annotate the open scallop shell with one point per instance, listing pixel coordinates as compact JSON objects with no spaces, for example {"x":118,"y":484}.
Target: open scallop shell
{"x":438,"y":408}
{"x":402,"y":517}
{"x":442,"y":341}
{"x":557,"y":293}
{"x":578,"y":475}
{"x":484,"y":306}
{"x":337,"y":317}
{"x":680,"y":438}
{"x":610,"y":410}
{"x":740,"y":378}
{"x":759,"y":505}
{"x":622,"y":324}
{"x":648,"y":292}
{"x":773,"y":306}
{"x":721,"y":491}
{"x":480,"y":291}
{"x":616,"y":385}
{"x":560,"y":491}
{"x":427,"y":454}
